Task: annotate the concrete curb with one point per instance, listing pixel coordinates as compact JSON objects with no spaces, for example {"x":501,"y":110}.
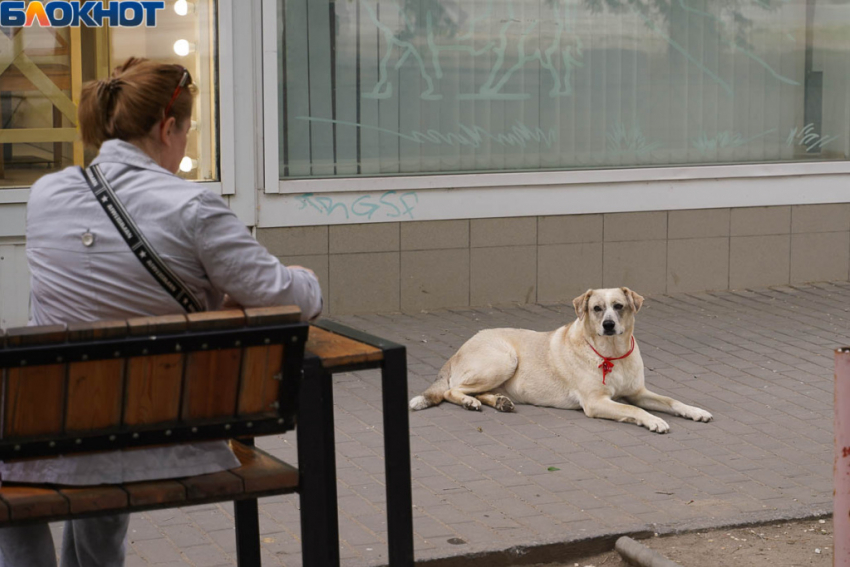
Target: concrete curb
{"x":569,"y":550}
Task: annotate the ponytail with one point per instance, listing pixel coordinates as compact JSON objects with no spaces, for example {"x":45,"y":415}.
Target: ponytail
{"x":130,"y":102}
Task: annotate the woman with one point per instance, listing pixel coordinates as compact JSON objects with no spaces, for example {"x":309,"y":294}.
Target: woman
{"x":82,"y":270}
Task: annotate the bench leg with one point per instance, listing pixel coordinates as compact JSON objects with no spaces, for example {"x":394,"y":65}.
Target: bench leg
{"x":397,"y":457}
{"x":247,"y":528}
{"x":317,"y":468}
{"x":247,"y":533}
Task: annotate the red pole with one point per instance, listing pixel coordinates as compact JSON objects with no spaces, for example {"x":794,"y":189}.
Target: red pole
{"x":841,"y":471}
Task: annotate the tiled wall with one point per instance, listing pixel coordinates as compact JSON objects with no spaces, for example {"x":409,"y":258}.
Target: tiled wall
{"x":414,"y":266}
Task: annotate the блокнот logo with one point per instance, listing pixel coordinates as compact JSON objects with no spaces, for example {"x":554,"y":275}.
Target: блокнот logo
{"x":64,"y":13}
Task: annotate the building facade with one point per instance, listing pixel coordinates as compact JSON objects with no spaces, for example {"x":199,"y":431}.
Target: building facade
{"x":424,"y":154}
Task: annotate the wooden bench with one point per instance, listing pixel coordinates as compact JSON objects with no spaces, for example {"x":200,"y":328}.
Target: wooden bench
{"x":153,"y":381}
{"x":217,"y":375}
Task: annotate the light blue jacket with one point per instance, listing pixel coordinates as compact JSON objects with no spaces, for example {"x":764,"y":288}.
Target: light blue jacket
{"x":200,"y":239}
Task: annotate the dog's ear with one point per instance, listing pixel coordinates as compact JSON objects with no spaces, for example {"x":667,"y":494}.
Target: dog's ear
{"x":580,"y":303}
{"x":635,"y":300}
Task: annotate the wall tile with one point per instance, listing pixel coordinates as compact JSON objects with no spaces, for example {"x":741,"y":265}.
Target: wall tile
{"x":635,"y":226}
{"x":641,"y":266}
{"x":434,"y":235}
{"x":697,"y":264}
{"x":361,"y":283}
{"x":756,"y":261}
{"x":819,"y":257}
{"x":434,"y":279}
{"x":752,"y":221}
{"x":503,"y":232}
{"x":706,"y":223}
{"x":503,"y":275}
{"x":354,"y":238}
{"x":565,"y":271}
{"x":294,"y":241}
{"x":569,"y":229}
{"x":820,"y":218}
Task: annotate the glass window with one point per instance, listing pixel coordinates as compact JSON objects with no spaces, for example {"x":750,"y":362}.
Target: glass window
{"x":42,"y":71}
{"x":372,"y":87}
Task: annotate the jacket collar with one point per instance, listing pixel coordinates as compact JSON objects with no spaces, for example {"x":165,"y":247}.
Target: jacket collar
{"x":119,"y":151}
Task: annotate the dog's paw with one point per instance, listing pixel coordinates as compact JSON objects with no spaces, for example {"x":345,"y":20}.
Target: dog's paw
{"x":471,"y":404}
{"x":656,"y":424}
{"x":503,"y":403}
{"x":418,"y":403}
{"x":698,"y":414}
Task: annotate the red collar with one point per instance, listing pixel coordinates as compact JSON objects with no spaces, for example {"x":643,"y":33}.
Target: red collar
{"x":606,"y":365}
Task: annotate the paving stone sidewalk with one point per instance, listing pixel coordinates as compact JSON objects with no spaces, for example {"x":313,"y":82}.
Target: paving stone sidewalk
{"x":760,"y":360}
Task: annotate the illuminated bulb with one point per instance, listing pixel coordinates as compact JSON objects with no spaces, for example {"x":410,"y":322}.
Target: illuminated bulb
{"x":183,"y":47}
{"x":187,"y":164}
{"x":182,"y":7}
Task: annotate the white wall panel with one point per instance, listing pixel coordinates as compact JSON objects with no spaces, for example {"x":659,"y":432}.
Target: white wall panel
{"x":14,"y":285}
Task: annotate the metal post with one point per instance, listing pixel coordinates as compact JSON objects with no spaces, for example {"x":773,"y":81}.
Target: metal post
{"x":397,"y":457}
{"x":317,"y":468}
{"x":247,"y":528}
{"x":841,"y":470}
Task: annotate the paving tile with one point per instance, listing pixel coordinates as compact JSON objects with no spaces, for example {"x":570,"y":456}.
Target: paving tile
{"x":760,"y":360}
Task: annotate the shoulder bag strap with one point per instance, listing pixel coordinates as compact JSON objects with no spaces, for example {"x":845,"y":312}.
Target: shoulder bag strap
{"x":137,"y":242}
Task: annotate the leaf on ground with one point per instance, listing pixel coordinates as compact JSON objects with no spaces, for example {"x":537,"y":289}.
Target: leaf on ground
{"x":553,"y":469}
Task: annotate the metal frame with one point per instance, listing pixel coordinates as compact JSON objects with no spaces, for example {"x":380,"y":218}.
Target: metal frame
{"x":318,"y":385}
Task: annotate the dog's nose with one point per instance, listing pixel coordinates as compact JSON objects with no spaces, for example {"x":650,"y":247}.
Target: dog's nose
{"x":608,"y":325}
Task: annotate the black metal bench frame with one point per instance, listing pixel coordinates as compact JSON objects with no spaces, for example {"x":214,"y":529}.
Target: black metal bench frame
{"x":306,"y":392}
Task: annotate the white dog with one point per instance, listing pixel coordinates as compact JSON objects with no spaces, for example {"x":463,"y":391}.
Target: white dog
{"x":587,"y":364}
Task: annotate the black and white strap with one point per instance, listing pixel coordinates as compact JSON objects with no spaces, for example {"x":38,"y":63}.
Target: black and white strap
{"x":137,"y":242}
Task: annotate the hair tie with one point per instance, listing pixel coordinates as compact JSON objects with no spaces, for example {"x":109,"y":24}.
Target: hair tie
{"x":113,"y":84}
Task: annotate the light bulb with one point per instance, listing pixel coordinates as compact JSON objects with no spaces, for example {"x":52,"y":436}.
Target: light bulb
{"x":182,"y":7}
{"x":187,"y":164}
{"x":183,"y":48}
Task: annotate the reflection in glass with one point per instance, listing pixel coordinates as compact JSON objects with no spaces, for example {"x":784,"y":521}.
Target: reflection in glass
{"x":43,"y":69}
{"x":437,"y":86}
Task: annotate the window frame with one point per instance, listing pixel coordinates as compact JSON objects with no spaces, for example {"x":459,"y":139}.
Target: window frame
{"x":226,"y":142}
{"x":637,"y":188}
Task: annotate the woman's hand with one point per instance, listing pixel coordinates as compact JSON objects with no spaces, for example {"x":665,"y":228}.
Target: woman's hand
{"x":311,"y":272}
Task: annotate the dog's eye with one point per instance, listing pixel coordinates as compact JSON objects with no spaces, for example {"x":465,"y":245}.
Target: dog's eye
{"x":597,"y":309}
{"x":617,"y":306}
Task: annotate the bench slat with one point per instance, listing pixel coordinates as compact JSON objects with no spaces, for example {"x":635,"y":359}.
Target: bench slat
{"x":155,"y":492}
{"x":27,"y":502}
{"x":43,"y":335}
{"x":34,"y":400}
{"x":35,"y":395}
{"x":164,"y":324}
{"x":95,"y":392}
{"x":336,"y":350}
{"x":215,"y":485}
{"x":214,"y":320}
{"x":96,"y":330}
{"x":259,"y":389}
{"x":95,"y":498}
{"x":212,"y":378}
{"x":153,"y":389}
{"x":211,"y":384}
{"x":279,"y":314}
{"x":95,"y":388}
{"x":260,"y":472}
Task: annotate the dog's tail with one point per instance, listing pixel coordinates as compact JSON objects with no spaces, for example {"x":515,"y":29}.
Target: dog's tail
{"x":434,"y":394}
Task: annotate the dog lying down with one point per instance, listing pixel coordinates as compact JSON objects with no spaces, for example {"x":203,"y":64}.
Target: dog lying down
{"x":587,"y":364}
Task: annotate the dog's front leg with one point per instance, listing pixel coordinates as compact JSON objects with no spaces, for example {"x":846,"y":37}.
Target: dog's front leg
{"x":606,"y":408}
{"x":657,"y":402}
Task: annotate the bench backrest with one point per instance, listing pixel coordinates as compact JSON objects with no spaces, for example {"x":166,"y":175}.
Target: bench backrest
{"x":149,"y":381}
